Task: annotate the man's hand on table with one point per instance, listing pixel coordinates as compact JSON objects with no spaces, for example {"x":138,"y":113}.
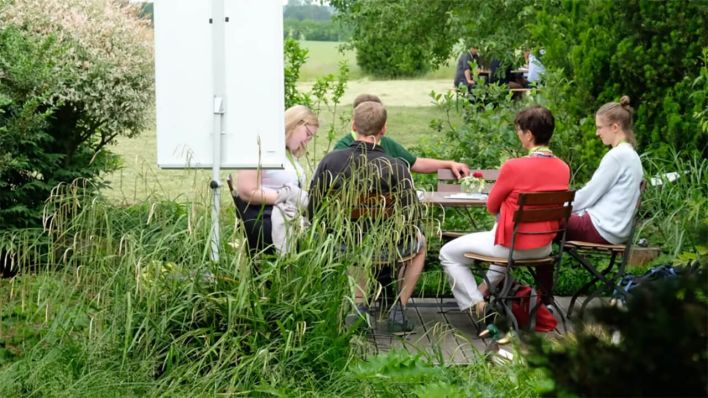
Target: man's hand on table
{"x":459,"y":170}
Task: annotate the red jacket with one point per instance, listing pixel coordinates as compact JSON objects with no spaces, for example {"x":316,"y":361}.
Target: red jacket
{"x":527,"y":174}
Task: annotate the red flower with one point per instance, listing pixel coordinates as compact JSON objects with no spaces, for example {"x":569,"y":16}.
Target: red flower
{"x":477,"y":174}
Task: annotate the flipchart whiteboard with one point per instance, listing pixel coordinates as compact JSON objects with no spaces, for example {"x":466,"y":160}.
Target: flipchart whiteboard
{"x":253,"y":90}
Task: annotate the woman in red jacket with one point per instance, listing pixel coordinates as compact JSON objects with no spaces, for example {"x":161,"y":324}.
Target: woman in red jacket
{"x":540,"y":170}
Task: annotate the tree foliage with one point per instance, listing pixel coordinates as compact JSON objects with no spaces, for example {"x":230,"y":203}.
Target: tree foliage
{"x":650,"y":51}
{"x":595,"y":51}
{"x":300,"y":11}
{"x":74,"y":75}
{"x":315,"y":30}
{"x":395,"y":39}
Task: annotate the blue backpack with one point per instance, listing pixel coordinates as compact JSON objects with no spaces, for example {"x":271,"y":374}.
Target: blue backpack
{"x":629,"y":282}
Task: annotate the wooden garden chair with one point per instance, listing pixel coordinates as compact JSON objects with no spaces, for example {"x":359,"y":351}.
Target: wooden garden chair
{"x":580,"y":251}
{"x":377,"y":208}
{"x":533,"y":207}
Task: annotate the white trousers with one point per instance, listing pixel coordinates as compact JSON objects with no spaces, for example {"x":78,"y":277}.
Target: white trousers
{"x":456,"y":265}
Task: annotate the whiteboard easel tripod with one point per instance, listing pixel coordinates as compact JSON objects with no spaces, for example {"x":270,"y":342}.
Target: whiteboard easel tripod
{"x":219,"y":85}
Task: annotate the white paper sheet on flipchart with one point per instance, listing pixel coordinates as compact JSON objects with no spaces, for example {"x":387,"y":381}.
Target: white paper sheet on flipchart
{"x":253,"y":122}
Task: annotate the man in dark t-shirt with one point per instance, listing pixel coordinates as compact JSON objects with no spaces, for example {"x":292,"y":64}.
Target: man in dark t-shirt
{"x":364,"y":169}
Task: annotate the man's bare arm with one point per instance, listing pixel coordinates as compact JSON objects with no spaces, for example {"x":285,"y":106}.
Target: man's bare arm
{"x":428,"y":165}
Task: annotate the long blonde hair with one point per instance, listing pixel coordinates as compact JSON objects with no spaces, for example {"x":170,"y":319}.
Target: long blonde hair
{"x":294,"y":117}
{"x":621,"y":113}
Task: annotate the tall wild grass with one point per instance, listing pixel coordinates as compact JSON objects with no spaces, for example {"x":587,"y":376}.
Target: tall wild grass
{"x":123,"y":301}
{"x":673,"y":213}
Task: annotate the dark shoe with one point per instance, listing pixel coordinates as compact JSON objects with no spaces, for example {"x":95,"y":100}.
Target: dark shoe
{"x":398,"y":324}
{"x":359,"y":318}
{"x":400,"y":328}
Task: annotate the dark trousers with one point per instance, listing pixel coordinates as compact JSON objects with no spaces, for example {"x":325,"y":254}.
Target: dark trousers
{"x":256,"y":220}
{"x":579,"y":228}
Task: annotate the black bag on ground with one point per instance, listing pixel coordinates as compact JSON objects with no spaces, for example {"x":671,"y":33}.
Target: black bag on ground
{"x":629,"y":282}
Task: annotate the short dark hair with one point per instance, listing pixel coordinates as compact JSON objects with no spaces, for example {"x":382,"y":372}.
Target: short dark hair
{"x":539,"y":121}
{"x":369,"y":118}
{"x":365,"y":98}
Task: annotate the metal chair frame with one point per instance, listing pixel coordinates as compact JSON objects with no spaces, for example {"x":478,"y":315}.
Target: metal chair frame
{"x":575,"y":248}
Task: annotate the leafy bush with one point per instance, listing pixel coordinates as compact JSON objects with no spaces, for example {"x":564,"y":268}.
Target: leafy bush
{"x":654,"y":347}
{"x":68,"y":88}
{"x":394,"y":39}
{"x":649,"y":51}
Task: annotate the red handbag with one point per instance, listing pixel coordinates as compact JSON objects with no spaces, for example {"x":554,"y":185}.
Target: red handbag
{"x":545,"y":322}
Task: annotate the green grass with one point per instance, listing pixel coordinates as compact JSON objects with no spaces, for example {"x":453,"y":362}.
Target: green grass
{"x":324,"y":58}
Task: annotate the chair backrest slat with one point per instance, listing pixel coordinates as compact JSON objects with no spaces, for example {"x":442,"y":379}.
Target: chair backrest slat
{"x":545,"y":214}
{"x":373,"y":205}
{"x":547,"y":198}
{"x":232,"y":191}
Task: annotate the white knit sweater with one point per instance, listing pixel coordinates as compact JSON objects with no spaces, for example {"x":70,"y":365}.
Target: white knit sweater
{"x":611,"y":195}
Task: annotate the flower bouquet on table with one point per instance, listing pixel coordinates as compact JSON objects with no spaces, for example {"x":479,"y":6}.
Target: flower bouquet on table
{"x":473,"y":184}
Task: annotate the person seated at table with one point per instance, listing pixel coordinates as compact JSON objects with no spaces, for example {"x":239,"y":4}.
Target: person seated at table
{"x":540,"y":170}
{"x":364,"y":168}
{"x":535,"y":68}
{"x":603,"y":208}
{"x":504,"y":76}
{"x":396,"y":150}
{"x":259,"y":190}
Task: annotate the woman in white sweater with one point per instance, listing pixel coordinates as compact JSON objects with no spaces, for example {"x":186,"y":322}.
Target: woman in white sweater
{"x":604,"y":208}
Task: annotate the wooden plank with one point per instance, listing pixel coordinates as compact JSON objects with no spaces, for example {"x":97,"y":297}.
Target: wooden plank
{"x":466,"y":332}
{"x":442,"y":343}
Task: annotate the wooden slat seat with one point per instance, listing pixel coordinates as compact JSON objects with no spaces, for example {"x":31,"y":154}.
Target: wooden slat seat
{"x":504,"y":261}
{"x":588,"y":246}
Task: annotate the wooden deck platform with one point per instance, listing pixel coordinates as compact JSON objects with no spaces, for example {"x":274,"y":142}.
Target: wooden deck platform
{"x":442,"y":331}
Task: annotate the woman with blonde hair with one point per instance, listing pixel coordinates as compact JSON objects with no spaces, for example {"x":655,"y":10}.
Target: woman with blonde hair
{"x":604,"y":208}
{"x":260,"y":190}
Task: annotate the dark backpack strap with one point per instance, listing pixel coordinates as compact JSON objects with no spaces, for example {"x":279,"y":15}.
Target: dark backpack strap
{"x":534,"y":303}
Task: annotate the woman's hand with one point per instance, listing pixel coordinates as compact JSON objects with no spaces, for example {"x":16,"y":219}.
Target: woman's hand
{"x":292,"y":194}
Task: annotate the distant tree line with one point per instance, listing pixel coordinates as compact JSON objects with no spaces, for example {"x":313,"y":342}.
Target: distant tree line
{"x":304,"y":20}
